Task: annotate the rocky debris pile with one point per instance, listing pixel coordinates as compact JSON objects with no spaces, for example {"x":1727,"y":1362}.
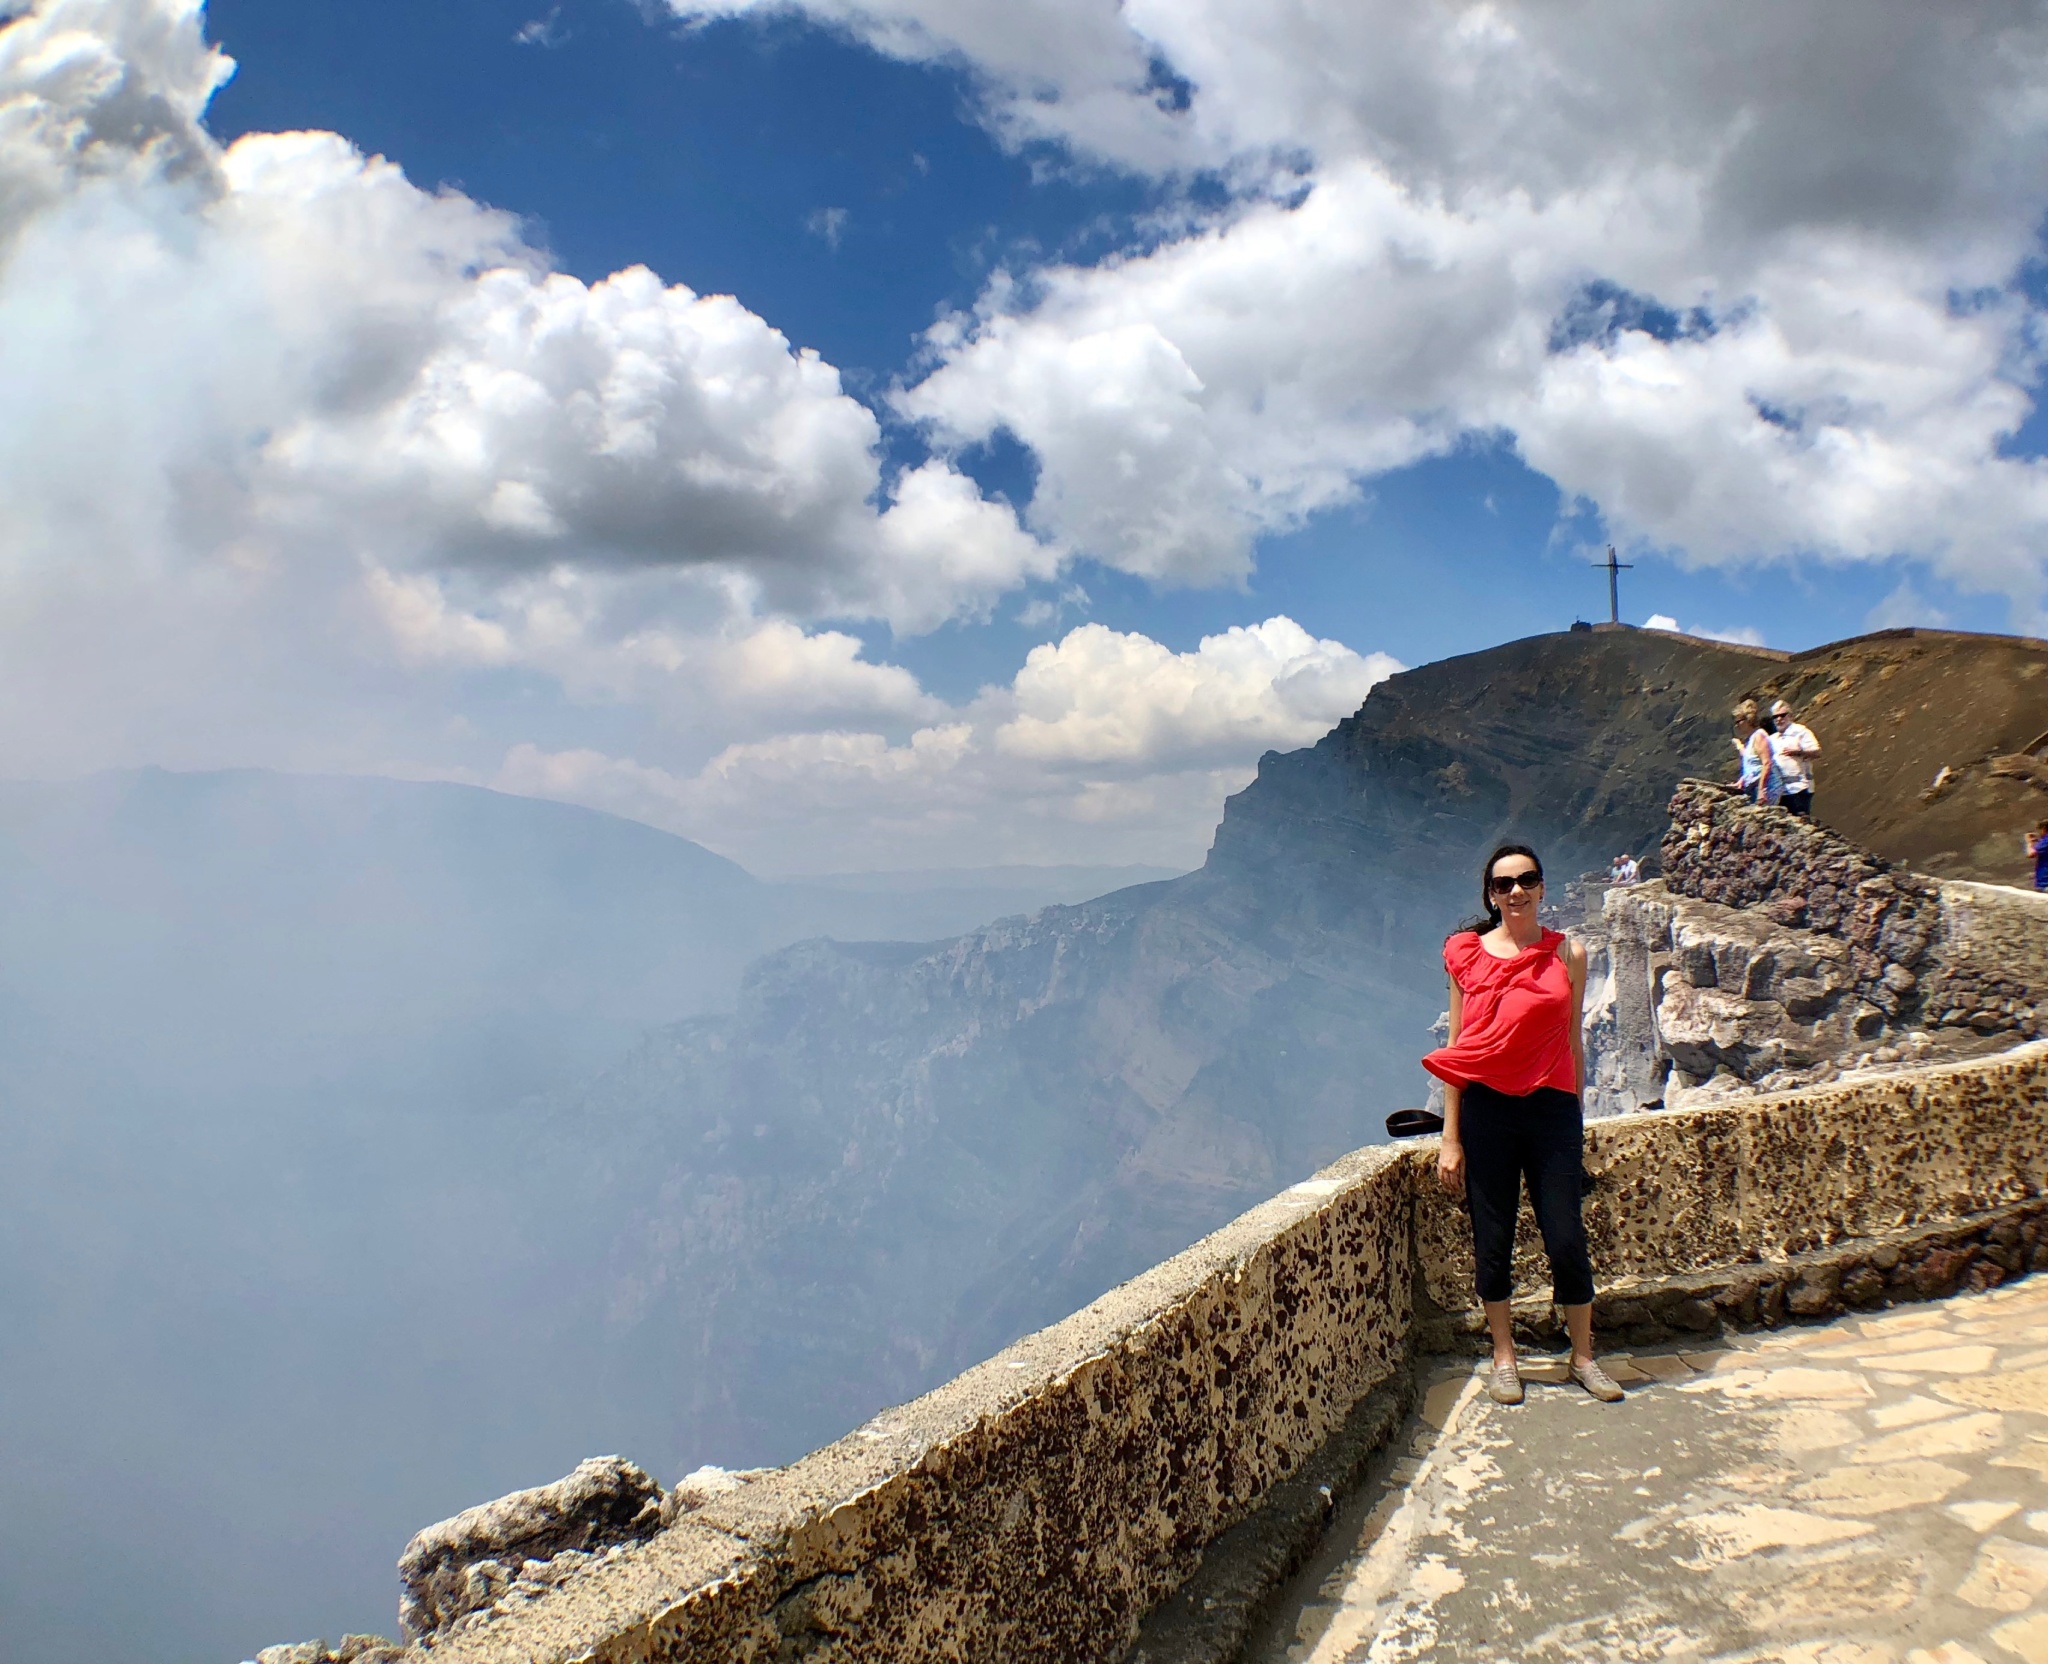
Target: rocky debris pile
{"x":512,"y":1550}
{"x":2018,"y":765}
{"x":353,"y":1649}
{"x":1801,"y":876}
{"x":523,"y":1544}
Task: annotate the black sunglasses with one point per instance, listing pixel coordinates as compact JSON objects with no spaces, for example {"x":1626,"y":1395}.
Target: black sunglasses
{"x":1502,"y":885}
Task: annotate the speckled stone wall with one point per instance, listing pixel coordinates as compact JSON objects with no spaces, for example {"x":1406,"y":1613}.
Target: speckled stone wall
{"x":1038,"y":1506}
{"x":1777,"y":1176}
{"x":1993,"y":959}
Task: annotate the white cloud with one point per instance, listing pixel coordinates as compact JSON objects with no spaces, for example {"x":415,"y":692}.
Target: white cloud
{"x":1808,"y":218}
{"x":828,"y":224}
{"x":1107,"y":746}
{"x":1742,"y":635}
{"x":542,"y":31}
{"x":1070,"y":70}
{"x":750,"y":676}
{"x":1104,"y":697}
{"x":1905,"y":607}
{"x":295,"y":456}
{"x":1234,"y":382}
{"x":298,"y":356}
{"x":1777,"y":115}
{"x":1227,"y":385}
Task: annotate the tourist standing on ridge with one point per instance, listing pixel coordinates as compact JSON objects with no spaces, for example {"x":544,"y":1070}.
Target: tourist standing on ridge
{"x":1512,"y":1074}
{"x":2037,"y":847}
{"x":1760,"y":780}
{"x":1795,"y":748}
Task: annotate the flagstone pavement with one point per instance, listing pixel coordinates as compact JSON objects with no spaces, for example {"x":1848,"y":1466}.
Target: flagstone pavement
{"x":1868,"y":1491}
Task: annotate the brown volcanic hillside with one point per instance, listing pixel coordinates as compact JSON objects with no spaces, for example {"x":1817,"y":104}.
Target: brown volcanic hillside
{"x":1892,"y":710}
{"x":1574,"y":740}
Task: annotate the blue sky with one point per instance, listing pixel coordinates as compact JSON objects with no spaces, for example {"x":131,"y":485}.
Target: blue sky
{"x":1108,"y":393}
{"x":714,"y":153}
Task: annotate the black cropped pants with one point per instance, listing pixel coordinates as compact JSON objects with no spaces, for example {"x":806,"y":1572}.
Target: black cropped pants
{"x":1540,"y":1138}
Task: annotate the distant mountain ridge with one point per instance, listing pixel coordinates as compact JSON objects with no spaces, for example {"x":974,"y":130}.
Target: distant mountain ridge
{"x":897,"y":1159}
{"x":250,"y":889}
{"x":267,"y":1046}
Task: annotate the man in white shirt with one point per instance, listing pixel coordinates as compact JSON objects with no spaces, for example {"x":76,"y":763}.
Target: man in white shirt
{"x":1624,"y":870}
{"x":1795,"y":748}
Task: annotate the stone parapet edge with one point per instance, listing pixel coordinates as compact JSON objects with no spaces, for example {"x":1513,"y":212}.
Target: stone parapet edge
{"x":1232,"y":1365}
{"x":1861,"y":1274}
{"x":1769,"y":1177}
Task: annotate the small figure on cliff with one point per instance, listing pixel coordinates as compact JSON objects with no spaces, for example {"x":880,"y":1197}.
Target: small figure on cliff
{"x":1761,"y":781}
{"x":2037,"y":849}
{"x":1795,"y":748}
{"x":1512,"y":1074}
{"x":1624,"y":870}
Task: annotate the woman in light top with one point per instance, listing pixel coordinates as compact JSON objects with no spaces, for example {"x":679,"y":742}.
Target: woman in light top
{"x":1761,"y":781}
{"x":1512,"y":1074}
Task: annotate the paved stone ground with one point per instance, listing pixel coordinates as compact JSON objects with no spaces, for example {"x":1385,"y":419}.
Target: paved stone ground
{"x":1868,"y":1491}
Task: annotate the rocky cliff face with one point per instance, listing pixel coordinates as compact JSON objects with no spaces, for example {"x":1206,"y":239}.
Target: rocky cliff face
{"x":894,"y":1158}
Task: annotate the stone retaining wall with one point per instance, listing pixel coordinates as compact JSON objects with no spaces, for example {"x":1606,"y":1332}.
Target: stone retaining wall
{"x":1744,"y":1194}
{"x":1801,"y":876}
{"x":1776,"y":954}
{"x":1038,"y":1506}
{"x":1992,"y":959}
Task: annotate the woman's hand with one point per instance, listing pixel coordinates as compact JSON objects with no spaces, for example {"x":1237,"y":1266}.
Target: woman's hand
{"x":1450,"y":1167}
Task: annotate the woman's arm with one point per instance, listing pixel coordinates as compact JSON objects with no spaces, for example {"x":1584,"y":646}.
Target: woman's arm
{"x":1450,"y":1160}
{"x":1575,"y":963}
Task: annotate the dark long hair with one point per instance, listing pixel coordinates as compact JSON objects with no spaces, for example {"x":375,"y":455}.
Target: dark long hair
{"x":1479,"y":924}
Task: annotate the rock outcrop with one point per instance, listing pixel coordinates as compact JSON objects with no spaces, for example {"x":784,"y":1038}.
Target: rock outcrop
{"x":523,"y":1543}
{"x":351,"y":1649}
{"x":1775,"y":952}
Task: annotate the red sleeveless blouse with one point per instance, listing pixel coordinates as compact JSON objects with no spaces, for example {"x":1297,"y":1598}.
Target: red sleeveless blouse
{"x":1516,"y":1032}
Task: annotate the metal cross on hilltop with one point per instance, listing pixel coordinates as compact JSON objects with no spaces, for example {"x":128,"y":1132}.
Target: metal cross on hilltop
{"x":1613,"y":568}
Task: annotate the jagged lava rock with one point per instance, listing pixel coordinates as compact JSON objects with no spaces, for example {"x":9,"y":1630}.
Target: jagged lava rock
{"x":351,"y":1649}
{"x":467,"y":1563}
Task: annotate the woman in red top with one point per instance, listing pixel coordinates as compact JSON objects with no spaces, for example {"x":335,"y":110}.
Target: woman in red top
{"x":1511,"y":1077}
